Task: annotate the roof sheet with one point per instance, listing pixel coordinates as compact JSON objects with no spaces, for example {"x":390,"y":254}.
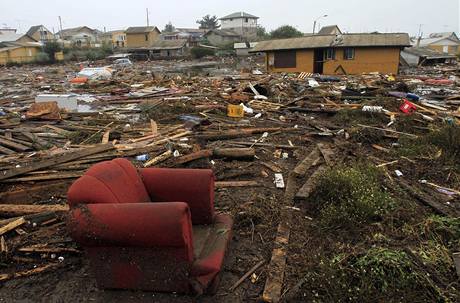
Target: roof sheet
{"x":345,"y":40}
{"x":239,"y":15}
{"x":140,"y":29}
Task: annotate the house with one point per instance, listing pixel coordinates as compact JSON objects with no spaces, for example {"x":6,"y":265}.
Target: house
{"x":40,"y":33}
{"x":448,"y":43}
{"x":331,"y":54}
{"x":242,"y":23}
{"x":222,"y":37}
{"x":115,"y":38}
{"x":7,"y":30}
{"x":418,"y":56}
{"x":13,"y":37}
{"x":162,"y":49}
{"x":19,"y":52}
{"x":330,"y":30}
{"x":142,"y":36}
{"x":82,"y":36}
{"x":243,"y":48}
{"x":192,"y":35}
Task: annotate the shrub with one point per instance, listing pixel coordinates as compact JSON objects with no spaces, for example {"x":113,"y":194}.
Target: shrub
{"x":200,"y":52}
{"x":443,"y":229}
{"x":350,"y":196}
{"x":376,"y":275}
{"x":42,"y":58}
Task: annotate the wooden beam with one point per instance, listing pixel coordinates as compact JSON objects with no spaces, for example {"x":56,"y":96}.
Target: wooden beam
{"x":12,"y":225}
{"x":56,"y":159}
{"x":18,"y":210}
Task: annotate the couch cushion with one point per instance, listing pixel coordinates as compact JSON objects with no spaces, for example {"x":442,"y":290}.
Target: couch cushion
{"x":210,"y":252}
{"x":115,"y":181}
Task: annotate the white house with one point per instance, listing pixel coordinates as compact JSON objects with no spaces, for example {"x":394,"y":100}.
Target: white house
{"x":241,"y":23}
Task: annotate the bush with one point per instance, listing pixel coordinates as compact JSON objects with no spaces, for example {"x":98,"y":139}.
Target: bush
{"x":200,"y":52}
{"x":350,"y":196}
{"x":443,"y":229}
{"x":42,"y":58}
{"x":51,"y":48}
{"x":377,"y":275}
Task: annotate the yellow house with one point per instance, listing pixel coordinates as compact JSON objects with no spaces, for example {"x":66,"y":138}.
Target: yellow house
{"x":335,"y":54}
{"x":143,"y":36}
{"x":116,"y":38}
{"x":19,"y":53}
{"x":40,"y":33}
{"x":447,"y":43}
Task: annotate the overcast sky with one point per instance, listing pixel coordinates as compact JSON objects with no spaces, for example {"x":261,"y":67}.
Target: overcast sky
{"x":350,"y":15}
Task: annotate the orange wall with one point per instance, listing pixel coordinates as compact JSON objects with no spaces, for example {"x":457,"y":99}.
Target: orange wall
{"x":384,"y":60}
{"x":138,"y":40}
{"x":304,"y":60}
{"x":367,"y":60}
{"x":453,"y":50}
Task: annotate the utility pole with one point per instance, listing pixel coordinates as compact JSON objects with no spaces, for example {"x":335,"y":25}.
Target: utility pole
{"x":60,"y":23}
{"x":147,"y":10}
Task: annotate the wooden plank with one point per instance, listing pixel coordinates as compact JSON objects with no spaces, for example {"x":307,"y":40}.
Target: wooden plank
{"x":6,"y":151}
{"x":226,"y":184}
{"x":305,"y":191}
{"x":160,"y":158}
{"x":13,"y":145}
{"x":45,"y":249}
{"x":47,"y":177}
{"x":57,"y":159}
{"x":35,"y":193}
{"x":18,"y":210}
{"x":26,"y":273}
{"x":12,"y":225}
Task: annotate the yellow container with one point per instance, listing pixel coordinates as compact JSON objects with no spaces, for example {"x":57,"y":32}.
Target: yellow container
{"x":235,"y":111}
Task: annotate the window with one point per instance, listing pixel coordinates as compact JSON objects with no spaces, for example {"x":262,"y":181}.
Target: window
{"x":146,"y":37}
{"x":329,"y":54}
{"x":285,"y":59}
{"x":349,"y":53}
{"x":231,"y":20}
{"x":246,"y":20}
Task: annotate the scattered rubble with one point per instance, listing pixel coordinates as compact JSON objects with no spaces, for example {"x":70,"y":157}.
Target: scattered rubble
{"x":269,"y":139}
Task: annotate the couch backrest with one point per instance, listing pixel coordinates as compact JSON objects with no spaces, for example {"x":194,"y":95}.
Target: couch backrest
{"x":115,"y":181}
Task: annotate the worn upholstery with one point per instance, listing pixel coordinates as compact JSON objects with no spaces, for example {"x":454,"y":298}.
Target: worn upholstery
{"x":137,"y":227}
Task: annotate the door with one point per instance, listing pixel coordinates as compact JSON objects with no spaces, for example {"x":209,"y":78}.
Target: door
{"x":318,"y":61}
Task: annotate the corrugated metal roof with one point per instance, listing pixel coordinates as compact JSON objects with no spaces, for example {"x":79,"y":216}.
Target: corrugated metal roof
{"x":239,"y":15}
{"x":10,"y":37}
{"x":428,"y":41}
{"x":345,"y":40}
{"x":141,"y":29}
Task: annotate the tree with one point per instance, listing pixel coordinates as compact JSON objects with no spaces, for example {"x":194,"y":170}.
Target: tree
{"x":285,"y":31}
{"x":208,"y":22}
{"x":169,"y":28}
{"x":51,"y":48}
{"x":262,"y":33}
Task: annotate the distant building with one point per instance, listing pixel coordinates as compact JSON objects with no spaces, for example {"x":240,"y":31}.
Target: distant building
{"x":162,"y":49}
{"x":221,"y":37}
{"x":192,"y":35}
{"x":82,"y":36}
{"x":243,"y":48}
{"x":7,"y":30}
{"x":420,"y":56}
{"x":142,"y":36}
{"x":242,"y":23}
{"x":332,"y":54}
{"x":447,"y":43}
{"x":330,"y":30}
{"x":19,"y":52}
{"x":40,"y":33}
{"x":115,"y":38}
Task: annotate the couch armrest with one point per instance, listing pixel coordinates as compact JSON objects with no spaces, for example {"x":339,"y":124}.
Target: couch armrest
{"x":133,"y":225}
{"x":192,"y":186}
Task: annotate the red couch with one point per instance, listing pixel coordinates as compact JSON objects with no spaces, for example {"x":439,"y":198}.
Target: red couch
{"x":149,"y":229}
